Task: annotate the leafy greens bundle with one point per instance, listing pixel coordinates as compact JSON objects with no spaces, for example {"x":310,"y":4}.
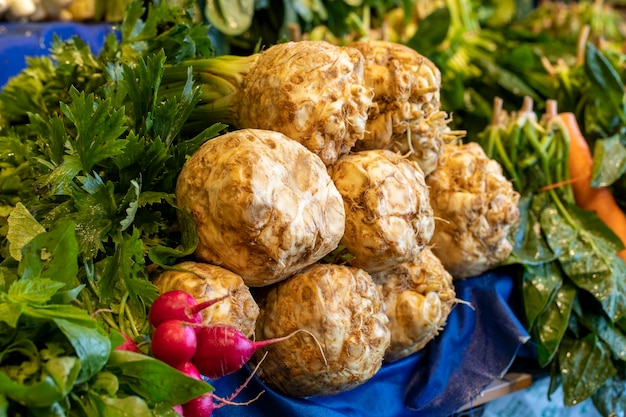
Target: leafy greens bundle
{"x":88,"y":159}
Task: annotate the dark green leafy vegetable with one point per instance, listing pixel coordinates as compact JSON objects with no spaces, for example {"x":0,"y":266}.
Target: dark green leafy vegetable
{"x":88,"y":161}
{"x":65,"y":363}
{"x":573,"y":288}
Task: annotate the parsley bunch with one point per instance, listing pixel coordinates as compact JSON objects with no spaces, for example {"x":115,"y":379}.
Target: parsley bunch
{"x":88,"y":161}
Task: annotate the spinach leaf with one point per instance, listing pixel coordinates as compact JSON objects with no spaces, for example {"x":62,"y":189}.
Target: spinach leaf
{"x":606,"y":80}
{"x":587,"y":259}
{"x":610,"y":399}
{"x":609,"y":161}
{"x":551,"y":324}
{"x":154,"y":380}
{"x":585,"y":365}
{"x":529,"y":244}
{"x":540,"y":284}
{"x":606,"y":330}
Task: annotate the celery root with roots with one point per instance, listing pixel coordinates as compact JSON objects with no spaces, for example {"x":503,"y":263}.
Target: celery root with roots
{"x":264,"y":205}
{"x":406,"y":116}
{"x":389,"y":219}
{"x":207,"y":282}
{"x":311,"y":91}
{"x":476,"y":206}
{"x":419,"y":296}
{"x":341,"y":308}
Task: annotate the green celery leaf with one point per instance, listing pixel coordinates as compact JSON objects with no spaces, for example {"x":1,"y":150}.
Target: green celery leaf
{"x":60,"y":180}
{"x":164,"y":255}
{"x":132,"y":268}
{"x":166,"y":27}
{"x":141,"y":82}
{"x":188,"y":147}
{"x":25,"y":93}
{"x":99,"y":127}
{"x":96,"y":215}
{"x":585,"y":367}
{"x":22,"y":229}
{"x":132,"y":24}
{"x":609,"y":161}
{"x":149,"y":198}
{"x":154,"y":380}
{"x":131,"y":204}
{"x":145,"y":160}
{"x":171,"y":115}
{"x":52,"y":255}
{"x":126,"y":268}
{"x":552,"y":323}
{"x":540,"y":284}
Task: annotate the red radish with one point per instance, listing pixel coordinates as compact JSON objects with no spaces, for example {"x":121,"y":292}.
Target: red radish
{"x":128,"y":344}
{"x":189,"y":369}
{"x":222,"y":350}
{"x":174,"y":342}
{"x":178,"y":409}
{"x":201,"y":406}
{"x":178,"y":305}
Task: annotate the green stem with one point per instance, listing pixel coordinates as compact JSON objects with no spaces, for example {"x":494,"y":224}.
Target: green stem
{"x":544,"y":159}
{"x":508,"y":165}
{"x":121,"y":313}
{"x":131,"y":321}
{"x":563,"y":155}
{"x":219,"y":78}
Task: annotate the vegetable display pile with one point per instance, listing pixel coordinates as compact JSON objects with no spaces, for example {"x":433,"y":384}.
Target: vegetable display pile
{"x":173,"y":214}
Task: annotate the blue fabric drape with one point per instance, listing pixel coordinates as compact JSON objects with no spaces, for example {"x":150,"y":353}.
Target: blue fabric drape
{"x":477,"y":345}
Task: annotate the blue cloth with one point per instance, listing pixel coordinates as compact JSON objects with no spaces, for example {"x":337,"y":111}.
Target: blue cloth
{"x":21,"y":40}
{"x":477,"y":345}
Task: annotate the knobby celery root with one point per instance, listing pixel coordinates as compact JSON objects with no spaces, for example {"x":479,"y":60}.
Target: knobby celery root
{"x":264,"y":205}
{"x":339,"y":306}
{"x":388,"y":214}
{"x":311,"y":91}
{"x":597,"y":199}
{"x":419,"y":296}
{"x":476,"y":206}
{"x":406,"y":116}
{"x":205,"y":282}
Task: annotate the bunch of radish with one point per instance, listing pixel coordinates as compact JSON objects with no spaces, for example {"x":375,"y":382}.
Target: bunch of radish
{"x":198,"y":350}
